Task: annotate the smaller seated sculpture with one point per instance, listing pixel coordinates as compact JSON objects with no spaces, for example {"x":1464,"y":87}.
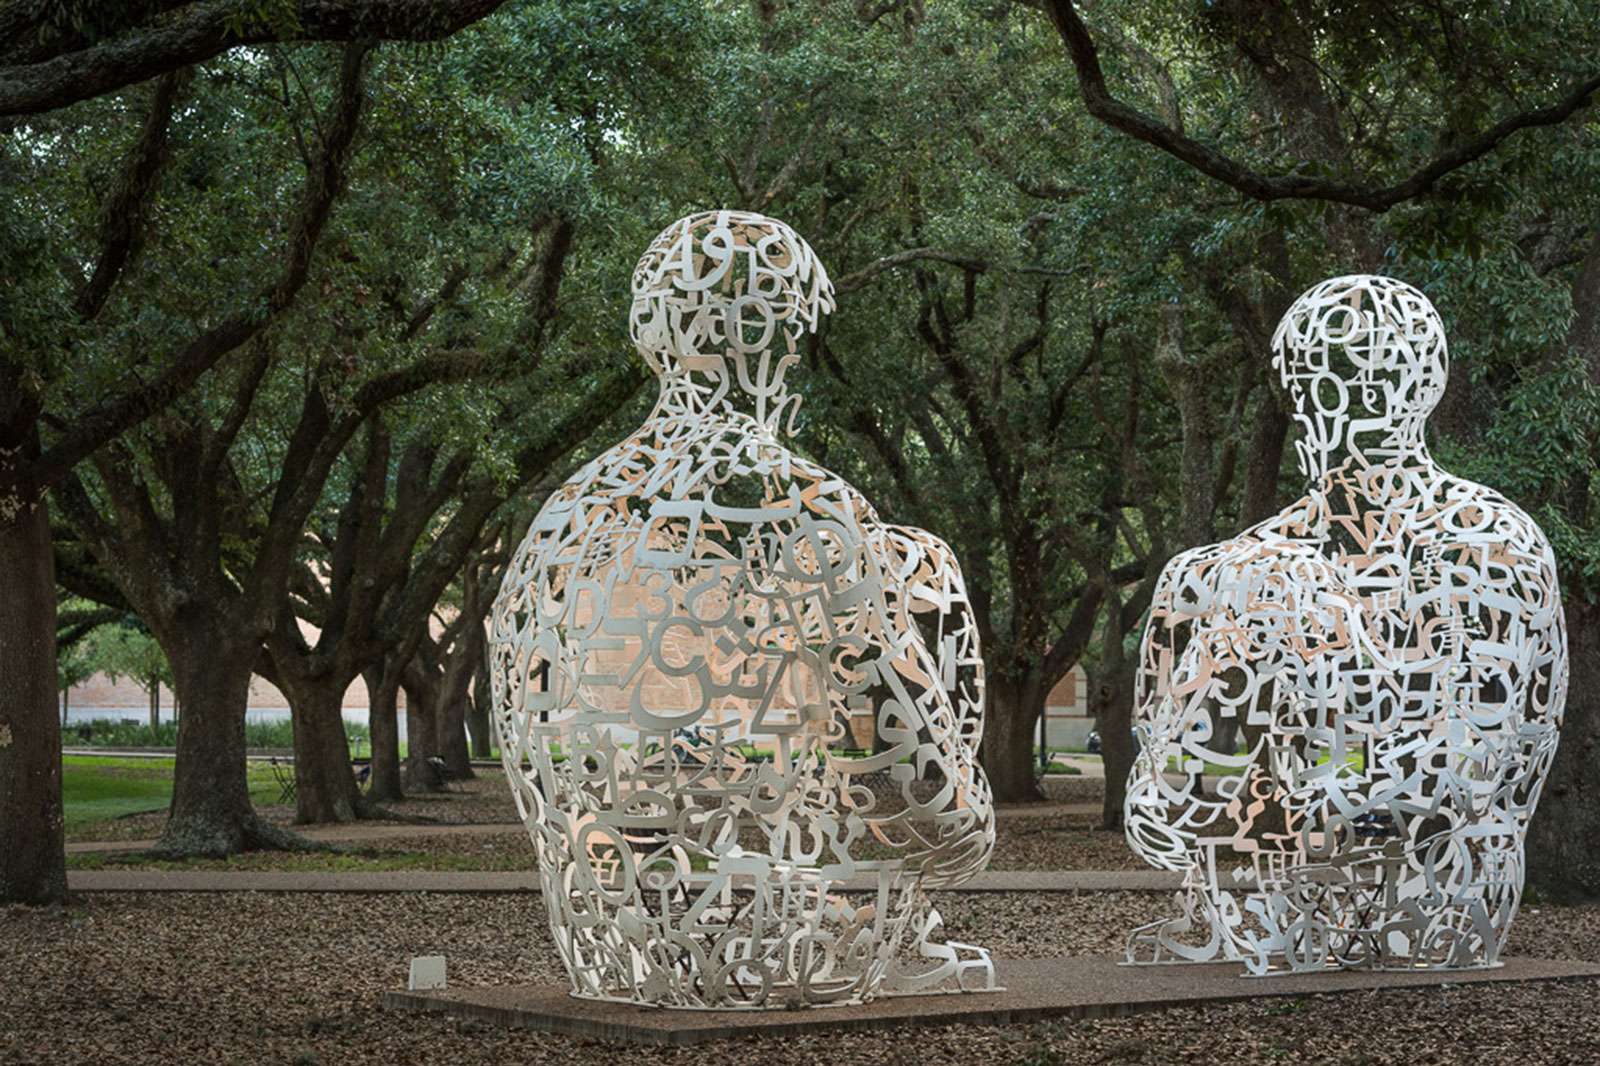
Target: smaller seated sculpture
{"x":723,"y":686}
{"x":1391,"y":647}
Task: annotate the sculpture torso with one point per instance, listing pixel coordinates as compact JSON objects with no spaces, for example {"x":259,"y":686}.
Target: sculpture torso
{"x":1391,"y":646}
{"x":724,"y":686}
{"x":751,"y":601}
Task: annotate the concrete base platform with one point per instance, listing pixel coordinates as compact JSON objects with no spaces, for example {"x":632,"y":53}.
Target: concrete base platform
{"x":1078,"y":987}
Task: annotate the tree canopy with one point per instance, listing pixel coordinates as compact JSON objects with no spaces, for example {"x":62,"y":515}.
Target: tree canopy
{"x":267,"y":295}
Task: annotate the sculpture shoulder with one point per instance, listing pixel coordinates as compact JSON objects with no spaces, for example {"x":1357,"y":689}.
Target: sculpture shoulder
{"x":1478,"y":527}
{"x":1466,"y":511}
{"x":914,"y":556}
{"x":725,"y":468}
{"x":1192,"y":579}
{"x":672,"y":458}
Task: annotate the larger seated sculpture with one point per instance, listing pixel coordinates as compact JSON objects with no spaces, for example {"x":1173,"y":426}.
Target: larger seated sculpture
{"x":723,"y":686}
{"x":1390,"y":646}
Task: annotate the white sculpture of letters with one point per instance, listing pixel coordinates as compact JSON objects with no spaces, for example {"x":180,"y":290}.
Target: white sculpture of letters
{"x":694,"y":652}
{"x":1393,"y":647}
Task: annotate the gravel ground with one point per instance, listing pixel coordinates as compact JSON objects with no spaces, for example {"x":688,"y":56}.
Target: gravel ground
{"x":294,"y":979}
{"x":1042,"y":843}
{"x":509,"y":850}
{"x":1060,"y":842}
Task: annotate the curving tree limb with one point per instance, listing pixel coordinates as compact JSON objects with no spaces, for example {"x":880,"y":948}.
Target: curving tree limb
{"x":43,"y":66}
{"x":323,"y":184}
{"x":1209,"y":161}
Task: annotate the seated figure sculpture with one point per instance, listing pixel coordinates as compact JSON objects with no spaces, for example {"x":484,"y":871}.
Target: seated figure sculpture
{"x":1392,"y":649}
{"x":723,"y":686}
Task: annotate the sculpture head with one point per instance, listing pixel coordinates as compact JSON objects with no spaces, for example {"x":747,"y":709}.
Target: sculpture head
{"x":1364,"y":361}
{"x":721,"y":300}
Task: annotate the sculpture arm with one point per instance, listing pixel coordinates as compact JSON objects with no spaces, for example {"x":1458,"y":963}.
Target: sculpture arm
{"x":1152,"y":808}
{"x":1543,"y":701}
{"x":934,"y":669}
{"x":1225,"y":622}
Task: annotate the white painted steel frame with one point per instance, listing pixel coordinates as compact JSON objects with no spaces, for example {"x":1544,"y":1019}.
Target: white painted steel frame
{"x":723,"y":685}
{"x":1392,"y":648}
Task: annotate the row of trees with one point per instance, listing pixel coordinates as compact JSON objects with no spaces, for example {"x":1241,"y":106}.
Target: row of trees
{"x":116,"y":647}
{"x":295,"y":333}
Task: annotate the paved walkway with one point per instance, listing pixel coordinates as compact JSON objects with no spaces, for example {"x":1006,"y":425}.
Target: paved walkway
{"x":527,"y":881}
{"x":369,"y":831}
{"x":343,"y":833}
{"x":253,"y":754}
{"x":1047,"y":810}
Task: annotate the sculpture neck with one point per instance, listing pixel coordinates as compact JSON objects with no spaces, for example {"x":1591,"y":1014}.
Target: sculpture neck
{"x":1360,"y":483}
{"x":688,"y":397}
{"x":1355,"y":447}
{"x":710,"y":387}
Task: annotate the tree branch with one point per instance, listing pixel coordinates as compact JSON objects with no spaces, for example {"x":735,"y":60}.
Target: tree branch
{"x":123,"y":213}
{"x":244,"y":394}
{"x":856,"y":280}
{"x":1376,"y":198}
{"x":322,"y":188}
{"x":445,"y":555}
{"x":74,"y":67}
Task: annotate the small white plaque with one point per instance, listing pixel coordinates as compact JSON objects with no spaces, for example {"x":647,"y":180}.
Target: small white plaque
{"x":427,"y":971}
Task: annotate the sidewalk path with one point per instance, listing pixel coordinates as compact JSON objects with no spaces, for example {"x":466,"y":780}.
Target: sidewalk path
{"x":367,"y":832}
{"x":1079,"y":766}
{"x":528,"y":881}
{"x":284,"y":755}
{"x":1002,"y":811}
{"x":343,"y":833}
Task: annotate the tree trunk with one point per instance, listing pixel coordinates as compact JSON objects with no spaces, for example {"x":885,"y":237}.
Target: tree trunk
{"x":1115,"y":716}
{"x":478,"y":711}
{"x":1265,"y":459}
{"x":1111,"y":703}
{"x":66,"y":705}
{"x":32,"y":856}
{"x":155,"y":710}
{"x":1226,"y":739}
{"x":1008,"y":730}
{"x":211,"y":813}
{"x":453,"y":738}
{"x":466,"y":654}
{"x":1564,"y":837}
{"x":453,"y":703}
{"x":382,"y":719}
{"x":422,"y":743}
{"x":324,"y":785}
{"x":1192,"y":381}
{"x":1563,"y":858}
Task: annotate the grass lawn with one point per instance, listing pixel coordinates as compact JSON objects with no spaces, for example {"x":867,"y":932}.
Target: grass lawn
{"x":99,"y":787}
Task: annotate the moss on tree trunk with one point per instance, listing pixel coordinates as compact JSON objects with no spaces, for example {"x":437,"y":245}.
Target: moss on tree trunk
{"x":325,"y":784}
{"x":384,"y":722}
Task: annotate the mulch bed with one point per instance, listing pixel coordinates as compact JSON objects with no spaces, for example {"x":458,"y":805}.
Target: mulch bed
{"x":295,"y":979}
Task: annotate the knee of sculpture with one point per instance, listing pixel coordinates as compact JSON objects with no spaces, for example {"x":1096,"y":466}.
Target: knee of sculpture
{"x":723,"y":687}
{"x":1390,"y":649}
